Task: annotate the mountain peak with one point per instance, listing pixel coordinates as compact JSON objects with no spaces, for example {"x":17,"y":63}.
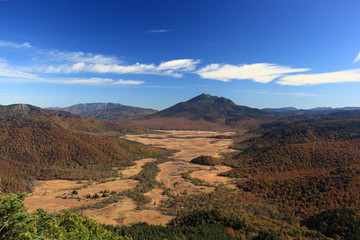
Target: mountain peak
{"x":210,"y":108}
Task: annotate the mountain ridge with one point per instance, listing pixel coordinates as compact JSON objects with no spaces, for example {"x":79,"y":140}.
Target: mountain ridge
{"x":210,"y":108}
{"x":109,"y":111}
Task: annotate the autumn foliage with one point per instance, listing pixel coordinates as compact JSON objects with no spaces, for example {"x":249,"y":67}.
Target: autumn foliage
{"x":304,"y":168}
{"x":36,"y":146}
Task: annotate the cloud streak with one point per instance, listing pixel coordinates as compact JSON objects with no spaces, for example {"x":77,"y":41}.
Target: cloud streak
{"x":9,"y":72}
{"x":15,"y":45}
{"x":174,"y":68}
{"x":159,"y":31}
{"x":321,"y":78}
{"x":357,"y":58}
{"x":295,"y":94}
{"x":258,"y":72}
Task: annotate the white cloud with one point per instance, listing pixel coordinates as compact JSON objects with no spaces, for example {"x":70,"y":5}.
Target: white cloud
{"x":92,"y":81}
{"x":300,"y":94}
{"x":159,"y":31}
{"x":258,"y":72}
{"x":43,"y":62}
{"x":97,"y":81}
{"x":180,"y":64}
{"x":121,"y":69}
{"x":128,"y":82}
{"x":171,"y":68}
{"x":321,"y":78}
{"x":357,"y":58}
{"x":15,"y":45}
{"x":296,"y":94}
{"x":9,"y":72}
{"x":61,"y":57}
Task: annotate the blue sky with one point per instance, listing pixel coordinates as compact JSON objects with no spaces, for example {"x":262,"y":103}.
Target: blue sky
{"x":153,"y":54}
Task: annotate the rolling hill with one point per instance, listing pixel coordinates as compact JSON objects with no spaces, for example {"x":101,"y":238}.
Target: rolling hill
{"x":68,"y":120}
{"x":40,"y":144}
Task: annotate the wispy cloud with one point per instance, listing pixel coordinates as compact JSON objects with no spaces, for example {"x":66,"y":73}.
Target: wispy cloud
{"x":43,"y":62}
{"x":321,"y":78}
{"x":78,"y":57}
{"x":159,"y":31}
{"x":15,"y":45}
{"x":357,"y":58}
{"x":180,"y":64}
{"x":295,"y":94}
{"x":258,"y":72}
{"x":128,"y":82}
{"x":65,"y":67}
{"x":173,"y":68}
{"x":10,"y":72}
{"x":98,"y":81}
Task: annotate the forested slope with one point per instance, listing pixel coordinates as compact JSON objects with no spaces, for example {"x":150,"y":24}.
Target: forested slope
{"x":35,"y":145}
{"x":304,"y":167}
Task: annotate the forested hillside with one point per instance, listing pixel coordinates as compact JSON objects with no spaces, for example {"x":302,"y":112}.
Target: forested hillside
{"x":35,"y":145}
{"x":304,"y":167}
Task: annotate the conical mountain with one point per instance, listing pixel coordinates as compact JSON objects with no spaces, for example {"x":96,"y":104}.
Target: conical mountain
{"x":210,"y":108}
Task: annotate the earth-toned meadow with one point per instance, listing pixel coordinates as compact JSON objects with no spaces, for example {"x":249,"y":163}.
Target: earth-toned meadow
{"x":177,"y":176}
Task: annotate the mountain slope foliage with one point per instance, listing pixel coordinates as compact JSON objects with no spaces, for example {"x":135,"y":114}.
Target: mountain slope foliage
{"x":305,"y":167}
{"x":35,"y":145}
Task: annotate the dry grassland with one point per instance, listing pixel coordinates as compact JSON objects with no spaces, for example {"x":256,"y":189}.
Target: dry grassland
{"x":55,"y":195}
{"x":190,"y":144}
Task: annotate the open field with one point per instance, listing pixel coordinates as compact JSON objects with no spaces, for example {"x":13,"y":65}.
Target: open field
{"x":57,"y":195}
{"x":189,"y":144}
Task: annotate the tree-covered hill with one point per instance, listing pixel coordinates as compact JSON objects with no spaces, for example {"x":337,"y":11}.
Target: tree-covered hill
{"x":34,"y":144}
{"x":303,"y":166}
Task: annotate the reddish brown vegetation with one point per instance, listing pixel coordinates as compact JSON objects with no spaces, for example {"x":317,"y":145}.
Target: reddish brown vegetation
{"x":304,"y":168}
{"x":31,"y":148}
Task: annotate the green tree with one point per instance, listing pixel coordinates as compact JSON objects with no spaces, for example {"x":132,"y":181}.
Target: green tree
{"x":46,"y":225}
{"x":15,"y":222}
{"x":336,"y":223}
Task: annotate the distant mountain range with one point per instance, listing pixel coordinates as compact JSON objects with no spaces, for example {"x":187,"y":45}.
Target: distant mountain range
{"x":318,"y":110}
{"x":201,"y":112}
{"x":110,"y":111}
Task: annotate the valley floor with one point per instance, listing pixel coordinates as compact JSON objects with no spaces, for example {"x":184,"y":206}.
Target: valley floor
{"x":176,"y":177}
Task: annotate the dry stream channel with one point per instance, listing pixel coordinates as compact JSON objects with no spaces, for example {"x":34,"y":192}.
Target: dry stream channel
{"x":56,"y":195}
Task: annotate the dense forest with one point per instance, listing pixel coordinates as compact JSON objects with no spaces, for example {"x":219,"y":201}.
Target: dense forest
{"x":305,"y":166}
{"x":35,"y":146}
